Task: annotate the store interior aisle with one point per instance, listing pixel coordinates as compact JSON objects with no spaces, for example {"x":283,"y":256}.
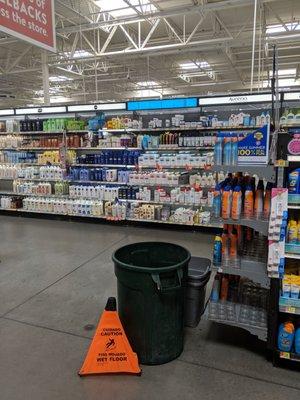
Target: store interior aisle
{"x":55,"y":277}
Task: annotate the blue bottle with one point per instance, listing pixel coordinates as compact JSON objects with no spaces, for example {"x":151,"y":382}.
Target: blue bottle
{"x":227,"y":151}
{"x":297,"y":341}
{"x":218,"y":151}
{"x":286,"y":335}
{"x":217,"y":202}
{"x":234,"y":151}
{"x":217,"y":255}
{"x":215,"y":293}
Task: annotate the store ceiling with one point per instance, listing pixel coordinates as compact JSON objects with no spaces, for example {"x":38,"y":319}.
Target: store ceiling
{"x":147,"y":48}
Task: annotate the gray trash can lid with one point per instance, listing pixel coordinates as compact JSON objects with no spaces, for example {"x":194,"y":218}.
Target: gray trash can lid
{"x":199,"y":269}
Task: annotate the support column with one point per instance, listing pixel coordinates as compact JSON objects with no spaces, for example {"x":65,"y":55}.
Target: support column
{"x":45,"y":71}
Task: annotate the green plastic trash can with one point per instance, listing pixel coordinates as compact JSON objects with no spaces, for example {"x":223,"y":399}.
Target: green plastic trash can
{"x":151,"y":288}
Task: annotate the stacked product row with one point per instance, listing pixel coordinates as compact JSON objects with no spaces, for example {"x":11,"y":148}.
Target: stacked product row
{"x":165,"y":140}
{"x":52,"y":125}
{"x":236,"y":243}
{"x":239,"y":195}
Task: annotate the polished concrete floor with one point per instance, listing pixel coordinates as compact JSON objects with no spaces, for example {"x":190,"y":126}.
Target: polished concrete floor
{"x":55,"y":277}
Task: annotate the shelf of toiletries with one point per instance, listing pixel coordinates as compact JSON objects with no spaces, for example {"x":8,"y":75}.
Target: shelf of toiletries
{"x":241,"y":251}
{"x":288,"y":340}
{"x":239,"y":200}
{"x":289,"y":305}
{"x":266,"y":171}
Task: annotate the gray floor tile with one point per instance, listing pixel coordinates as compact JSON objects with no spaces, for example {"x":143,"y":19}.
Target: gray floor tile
{"x":39,"y":364}
{"x":35,"y":253}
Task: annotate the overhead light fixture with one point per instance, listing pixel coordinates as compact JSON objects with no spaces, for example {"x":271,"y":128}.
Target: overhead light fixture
{"x":147,"y":83}
{"x":78,"y":54}
{"x":195,"y":65}
{"x":285,"y":72}
{"x":60,"y":99}
{"x":147,"y":93}
{"x":120,"y":8}
{"x":283,"y":82}
{"x":279,"y":28}
{"x":59,"y":78}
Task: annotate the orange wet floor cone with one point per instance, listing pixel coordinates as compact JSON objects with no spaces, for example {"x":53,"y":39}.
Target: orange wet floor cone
{"x":110,"y":351}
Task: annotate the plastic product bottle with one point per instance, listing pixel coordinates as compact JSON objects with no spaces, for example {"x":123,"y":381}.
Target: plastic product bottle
{"x":236,"y":203}
{"x":286,"y":335}
{"x":227,"y":151}
{"x":225,"y":245}
{"x":226,"y":202}
{"x":293,"y":231}
{"x":218,"y":151}
{"x":217,"y":202}
{"x":267,"y":199}
{"x":224,"y":288}
{"x":294,"y":181}
{"x":215,"y":294}
{"x":233,"y":250}
{"x":234,"y":151}
{"x":248,"y":202}
{"x":297,"y":341}
{"x":259,"y":198}
{"x":217,"y":256}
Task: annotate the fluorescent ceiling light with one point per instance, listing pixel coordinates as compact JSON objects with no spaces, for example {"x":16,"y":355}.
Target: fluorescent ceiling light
{"x":148,"y":83}
{"x":147,"y":93}
{"x":119,"y":8}
{"x":195,"y":65}
{"x":283,"y":82}
{"x":52,"y":90}
{"x":59,"y":78}
{"x":78,"y":54}
{"x":59,"y":99}
{"x":279,"y":28}
{"x":285,"y":72}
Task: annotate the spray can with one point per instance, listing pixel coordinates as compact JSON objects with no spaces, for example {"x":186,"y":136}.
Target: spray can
{"x":236,"y":203}
{"x":248,"y":202}
{"x":259,"y":198}
{"x":217,"y":202}
{"x":217,"y":255}
{"x":226,"y":202}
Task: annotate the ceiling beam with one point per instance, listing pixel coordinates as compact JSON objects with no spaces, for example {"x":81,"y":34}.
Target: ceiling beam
{"x":170,"y":12}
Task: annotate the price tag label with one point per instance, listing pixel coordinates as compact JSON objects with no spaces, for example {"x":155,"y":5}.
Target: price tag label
{"x":291,"y":310}
{"x":284,"y":354}
{"x":281,"y":163}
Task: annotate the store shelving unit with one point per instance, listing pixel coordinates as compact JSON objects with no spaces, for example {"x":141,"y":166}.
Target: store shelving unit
{"x":246,"y":267}
{"x":231,"y":315}
{"x":267,"y":171}
{"x":285,"y":308}
{"x":81,"y":150}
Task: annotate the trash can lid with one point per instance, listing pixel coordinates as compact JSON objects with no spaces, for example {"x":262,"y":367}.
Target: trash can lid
{"x":199,"y":268}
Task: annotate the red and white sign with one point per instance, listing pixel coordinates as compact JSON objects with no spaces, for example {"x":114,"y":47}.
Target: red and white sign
{"x":30,"y":20}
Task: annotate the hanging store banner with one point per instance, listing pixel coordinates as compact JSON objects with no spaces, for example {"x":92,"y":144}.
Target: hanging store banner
{"x":253,"y":147}
{"x":29,"y":20}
